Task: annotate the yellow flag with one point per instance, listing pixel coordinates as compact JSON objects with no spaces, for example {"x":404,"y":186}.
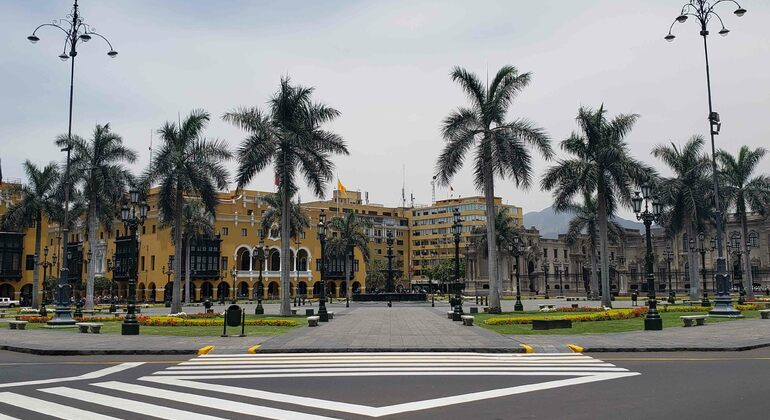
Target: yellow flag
{"x":341,"y":188}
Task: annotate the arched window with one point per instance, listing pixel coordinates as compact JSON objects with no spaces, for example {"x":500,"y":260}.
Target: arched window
{"x":302,"y":258}
{"x":243,"y":259}
{"x":275,"y":260}
{"x":753,"y":239}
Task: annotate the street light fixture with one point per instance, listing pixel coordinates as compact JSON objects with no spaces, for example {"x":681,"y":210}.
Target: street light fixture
{"x":110,"y":263}
{"x":234,"y":275}
{"x":261,"y":257}
{"x":649,"y":215}
{"x":703,"y":11}
{"x":516,"y":248}
{"x":457,"y":228}
{"x":133,"y":217}
{"x":545,"y":277}
{"x":323,"y":315}
{"x":669,"y":255}
{"x":76,"y":30}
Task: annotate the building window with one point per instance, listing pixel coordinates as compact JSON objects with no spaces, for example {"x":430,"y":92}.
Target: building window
{"x":244,"y":232}
{"x":152,"y":262}
{"x":141,"y":259}
{"x":565,"y":254}
{"x":29,"y":263}
{"x":101,"y":236}
{"x":153,"y":228}
{"x":224,"y":264}
{"x":225,"y":231}
{"x":144,"y":230}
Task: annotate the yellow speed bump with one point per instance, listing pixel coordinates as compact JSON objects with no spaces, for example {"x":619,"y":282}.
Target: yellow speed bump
{"x":205,"y":350}
{"x":527,"y":349}
{"x":253,"y":349}
{"x":575,"y":348}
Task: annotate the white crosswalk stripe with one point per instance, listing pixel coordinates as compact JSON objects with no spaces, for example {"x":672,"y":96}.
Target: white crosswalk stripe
{"x":48,"y":408}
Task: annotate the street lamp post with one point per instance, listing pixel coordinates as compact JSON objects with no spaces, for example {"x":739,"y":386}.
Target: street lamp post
{"x":560,"y":274}
{"x":76,"y":31}
{"x":261,"y":257}
{"x":168,"y":272}
{"x":700,"y":247}
{"x":653,"y":320}
{"x":703,"y":11}
{"x":738,"y":253}
{"x":545,"y":277}
{"x":133,"y":217}
{"x":234,"y":275}
{"x":669,"y":255}
{"x":110,"y":263}
{"x":516,"y":249}
{"x":45,"y":264}
{"x":323,"y":315}
{"x":456,"y":231}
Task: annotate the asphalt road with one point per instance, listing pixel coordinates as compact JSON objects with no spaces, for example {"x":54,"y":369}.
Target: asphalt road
{"x":388,"y":385}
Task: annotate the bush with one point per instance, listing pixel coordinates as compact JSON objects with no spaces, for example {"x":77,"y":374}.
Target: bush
{"x":170,"y":321}
{"x":610,"y":315}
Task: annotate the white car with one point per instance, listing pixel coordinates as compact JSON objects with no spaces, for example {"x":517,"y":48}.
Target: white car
{"x":8,"y":303}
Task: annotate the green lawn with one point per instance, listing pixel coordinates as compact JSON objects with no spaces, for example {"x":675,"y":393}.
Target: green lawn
{"x":670,"y":320}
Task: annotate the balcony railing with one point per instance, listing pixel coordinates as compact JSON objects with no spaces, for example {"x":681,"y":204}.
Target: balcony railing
{"x":271,"y":273}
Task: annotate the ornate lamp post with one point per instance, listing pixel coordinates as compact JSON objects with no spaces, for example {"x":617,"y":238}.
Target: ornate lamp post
{"x":76,"y":31}
{"x":738,"y":253}
{"x":700,"y":247}
{"x":322,"y":313}
{"x":545,"y":277}
{"x":457,"y":228}
{"x":133,"y":217}
{"x":516,"y":249}
{"x":559,"y":267}
{"x":45,"y":264}
{"x":110,"y":263}
{"x":234,"y":275}
{"x":669,"y":255}
{"x":653,"y":320}
{"x":261,"y":257}
{"x":703,"y":11}
{"x":168,"y":272}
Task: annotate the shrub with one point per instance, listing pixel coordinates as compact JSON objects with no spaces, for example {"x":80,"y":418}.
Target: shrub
{"x":169,"y":321}
{"x":612,"y":314}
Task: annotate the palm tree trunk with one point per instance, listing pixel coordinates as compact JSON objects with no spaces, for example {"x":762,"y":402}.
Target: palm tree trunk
{"x":187,"y":271}
{"x":692,"y":263}
{"x":748,"y":279}
{"x":176,"y":294}
{"x":92,"y":225}
{"x":603,"y":239}
{"x":494,"y":278}
{"x":285,"y":231}
{"x":36,"y":271}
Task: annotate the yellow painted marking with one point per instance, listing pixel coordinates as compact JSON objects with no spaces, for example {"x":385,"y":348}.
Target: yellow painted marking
{"x":205,"y":350}
{"x":253,"y":349}
{"x":527,"y":348}
{"x":575,"y":348}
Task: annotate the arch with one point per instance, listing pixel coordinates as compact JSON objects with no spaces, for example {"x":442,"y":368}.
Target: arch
{"x":207,"y":290}
{"x":356,"y":287}
{"x":223,"y":291}
{"x":152,"y":292}
{"x":316,"y":288}
{"x":6,"y":290}
{"x":243,"y":257}
{"x":243,"y":289}
{"x":753,"y":240}
{"x":25,"y":295}
{"x":291,"y":260}
{"x":302,"y":288}
{"x":274,"y":260}
{"x":168,"y":291}
{"x":331,"y":287}
{"x":302,"y":260}
{"x":141,"y":293}
{"x":272,"y":290}
{"x":344,"y":289}
{"x":531,"y":276}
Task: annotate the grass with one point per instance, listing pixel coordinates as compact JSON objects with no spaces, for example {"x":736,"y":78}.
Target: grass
{"x":670,"y":320}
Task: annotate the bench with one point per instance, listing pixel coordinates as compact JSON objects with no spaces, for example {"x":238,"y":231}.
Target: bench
{"x":89,"y":327}
{"x":550,"y":324}
{"x":449,"y":314}
{"x":764,"y":313}
{"x":312,"y":321}
{"x":689,"y":319}
{"x":546,"y":307}
{"x":574,"y":299}
{"x":17,"y":325}
{"x":467,"y":320}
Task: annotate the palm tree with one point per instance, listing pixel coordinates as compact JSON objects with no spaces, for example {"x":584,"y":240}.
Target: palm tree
{"x":38,"y":199}
{"x":501,"y":146}
{"x":187,"y":164}
{"x":687,"y":194}
{"x":98,"y":165}
{"x":506,"y":235}
{"x":351,"y":234}
{"x":601,"y":165}
{"x":745,"y":192}
{"x":290,"y":136}
{"x":299,"y":220}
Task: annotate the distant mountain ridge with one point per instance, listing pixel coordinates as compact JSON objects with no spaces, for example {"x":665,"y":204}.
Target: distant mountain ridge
{"x":551,"y":224}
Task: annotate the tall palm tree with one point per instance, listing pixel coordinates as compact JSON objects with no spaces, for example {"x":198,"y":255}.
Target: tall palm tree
{"x":501,"y":147}
{"x":187,"y":164}
{"x":299,"y":220}
{"x":289,"y":135}
{"x":687,"y":193}
{"x":38,"y":200}
{"x":745,"y":191}
{"x":97,"y":165}
{"x":351,"y":234}
{"x":601,"y":165}
{"x":506,"y":234}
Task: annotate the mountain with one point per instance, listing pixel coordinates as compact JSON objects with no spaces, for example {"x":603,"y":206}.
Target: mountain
{"x":551,"y":224}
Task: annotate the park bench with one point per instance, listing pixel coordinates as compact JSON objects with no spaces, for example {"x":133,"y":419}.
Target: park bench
{"x":449,"y":314}
{"x":467,"y":320}
{"x":17,"y":325}
{"x":697,"y":319}
{"x":89,"y":327}
{"x":764,"y":313}
{"x":546,"y":307}
{"x":312,"y":321}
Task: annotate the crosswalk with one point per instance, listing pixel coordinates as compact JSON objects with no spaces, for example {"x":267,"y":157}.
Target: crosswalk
{"x":205,"y":387}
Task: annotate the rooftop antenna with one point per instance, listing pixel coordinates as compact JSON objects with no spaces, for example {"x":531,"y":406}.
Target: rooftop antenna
{"x":412,"y":197}
{"x":433,"y":190}
{"x":150,"y":148}
{"x":403,"y":186}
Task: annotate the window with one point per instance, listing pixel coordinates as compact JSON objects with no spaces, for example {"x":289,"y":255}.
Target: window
{"x":152,"y":262}
{"x":141,"y":259}
{"x":565,"y":254}
{"x":224,"y":263}
{"x":29,"y":263}
{"x":144,"y":230}
{"x":101,"y":236}
{"x":244,"y":232}
{"x":153,"y":228}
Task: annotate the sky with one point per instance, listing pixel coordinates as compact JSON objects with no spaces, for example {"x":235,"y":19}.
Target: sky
{"x":385,"y":66}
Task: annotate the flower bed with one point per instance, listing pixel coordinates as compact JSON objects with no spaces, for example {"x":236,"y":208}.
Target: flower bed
{"x":580,"y":309}
{"x":170,"y":321}
{"x":687,"y":308}
{"x":612,"y":314}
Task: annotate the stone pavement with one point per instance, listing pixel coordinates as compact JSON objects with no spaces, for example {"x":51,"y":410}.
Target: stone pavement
{"x":404,"y":327}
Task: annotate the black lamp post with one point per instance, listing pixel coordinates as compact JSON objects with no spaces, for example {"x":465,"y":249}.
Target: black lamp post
{"x":545,"y":277}
{"x":457,"y":228}
{"x":76,"y":31}
{"x":703,"y":11}
{"x":110,"y":263}
{"x":516,"y":249}
{"x":234,"y":275}
{"x":559,"y":267}
{"x":738,"y":253}
{"x":168,"y":272}
{"x":700,"y":247}
{"x":653,"y":320}
{"x":669,"y":255}
{"x":45,"y":264}
{"x":323,"y":315}
{"x":261,"y":257}
{"x":132,"y":217}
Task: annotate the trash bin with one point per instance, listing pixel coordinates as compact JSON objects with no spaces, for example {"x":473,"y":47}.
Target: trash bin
{"x":233,"y":316}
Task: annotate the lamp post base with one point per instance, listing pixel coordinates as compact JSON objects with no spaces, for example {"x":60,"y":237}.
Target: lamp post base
{"x":259,"y":310}
{"x":653,"y":324}
{"x":518,"y":306}
{"x":705,"y":300}
{"x":671,"y":298}
{"x":129,"y":328}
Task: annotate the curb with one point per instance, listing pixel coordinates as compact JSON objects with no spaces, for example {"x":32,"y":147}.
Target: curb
{"x":393,"y":350}
{"x":85,"y":352}
{"x":670,"y":349}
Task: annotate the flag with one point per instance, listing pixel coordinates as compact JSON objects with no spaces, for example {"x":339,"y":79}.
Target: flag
{"x":341,"y":188}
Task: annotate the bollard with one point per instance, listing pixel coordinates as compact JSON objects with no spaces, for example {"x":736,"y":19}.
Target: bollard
{"x":243,"y":323}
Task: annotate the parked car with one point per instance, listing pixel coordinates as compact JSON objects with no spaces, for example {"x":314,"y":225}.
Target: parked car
{"x":8,"y":303}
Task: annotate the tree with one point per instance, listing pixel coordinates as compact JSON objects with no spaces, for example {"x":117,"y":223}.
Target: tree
{"x":97,"y":165}
{"x":745,"y":191}
{"x":351,"y":234}
{"x":290,"y":136}
{"x":444,"y":271}
{"x":507,"y":233}
{"x":601,"y":165}
{"x":38,"y":199}
{"x":299,"y":220}
{"x":501,"y":146}
{"x":687,"y":194}
{"x":187,"y":164}
{"x":375,"y":273}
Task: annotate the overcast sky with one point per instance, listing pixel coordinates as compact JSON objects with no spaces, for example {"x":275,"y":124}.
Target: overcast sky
{"x":385,"y":66}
